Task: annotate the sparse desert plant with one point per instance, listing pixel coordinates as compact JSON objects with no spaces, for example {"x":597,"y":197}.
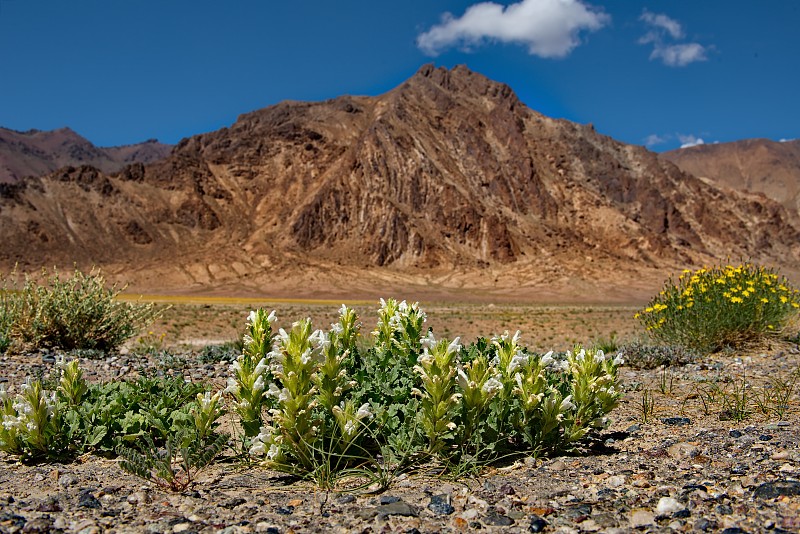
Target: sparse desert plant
{"x":644,"y":355}
{"x":714,"y":308}
{"x":174,"y":465}
{"x":78,"y":312}
{"x":7,"y":315}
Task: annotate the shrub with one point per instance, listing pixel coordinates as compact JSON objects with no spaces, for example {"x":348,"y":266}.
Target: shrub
{"x":640,"y":355}
{"x":711,"y":309}
{"x":74,"y":313}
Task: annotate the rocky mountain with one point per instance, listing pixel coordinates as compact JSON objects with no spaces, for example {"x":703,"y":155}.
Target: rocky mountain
{"x":759,"y":165}
{"x":36,"y":152}
{"x":447,"y":181}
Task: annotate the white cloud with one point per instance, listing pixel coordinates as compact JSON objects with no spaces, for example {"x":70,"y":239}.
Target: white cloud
{"x":549,"y":28}
{"x":690,"y":140}
{"x":679,"y":55}
{"x":664,"y":30}
{"x":659,"y":20}
{"x":655,"y":139}
{"x":784,"y":140}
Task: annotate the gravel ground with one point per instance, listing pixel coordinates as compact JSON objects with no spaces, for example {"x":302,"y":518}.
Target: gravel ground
{"x":685,"y":469}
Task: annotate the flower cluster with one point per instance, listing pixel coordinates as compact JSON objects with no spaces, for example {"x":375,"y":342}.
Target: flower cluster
{"x":30,"y":421}
{"x":721,"y":306}
{"x":249,"y":372}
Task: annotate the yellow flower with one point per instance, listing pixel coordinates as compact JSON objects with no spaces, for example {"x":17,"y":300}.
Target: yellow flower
{"x":745,"y":293}
{"x":765,"y":301}
{"x":795,"y":305}
{"x":736,"y":300}
{"x":784,"y":300}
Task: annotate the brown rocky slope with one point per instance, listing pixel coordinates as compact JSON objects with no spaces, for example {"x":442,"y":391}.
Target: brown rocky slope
{"x":447,"y":181}
{"x":759,"y":165}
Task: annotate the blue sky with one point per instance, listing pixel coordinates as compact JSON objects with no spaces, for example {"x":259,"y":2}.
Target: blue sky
{"x":659,"y":73}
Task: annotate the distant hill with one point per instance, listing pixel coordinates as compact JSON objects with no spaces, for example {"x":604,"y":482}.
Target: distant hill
{"x":447,"y":181}
{"x":36,"y":152}
{"x":759,"y":165}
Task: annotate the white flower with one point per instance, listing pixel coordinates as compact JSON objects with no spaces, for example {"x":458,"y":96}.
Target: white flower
{"x":547,"y":359}
{"x":247,"y":339}
{"x":619,"y":360}
{"x":517,"y":361}
{"x":451,"y":425}
{"x":364,"y":411}
{"x":515,"y":338}
{"x":272,"y":317}
{"x":599,"y":356}
{"x":581,"y":355}
{"x":428,"y":342}
{"x":233,"y":386}
{"x":566,"y":404}
{"x":284,"y":337}
{"x":319,"y":338}
{"x":518,"y":379}
{"x":343,"y":310}
{"x":463,"y":380}
{"x":350,"y":427}
{"x":454,"y":346}
{"x":258,"y":385}
{"x":261,"y":366}
{"x":251,"y":317}
{"x":337,"y":328}
{"x":492,"y":386}
{"x":273,"y":390}
{"x":305,"y":357}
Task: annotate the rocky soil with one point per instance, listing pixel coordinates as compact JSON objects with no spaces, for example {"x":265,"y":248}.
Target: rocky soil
{"x":687,"y":468}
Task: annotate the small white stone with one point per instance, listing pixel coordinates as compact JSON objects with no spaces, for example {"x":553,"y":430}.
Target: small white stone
{"x":642,"y":518}
{"x":668,"y":506}
{"x":616,"y":481}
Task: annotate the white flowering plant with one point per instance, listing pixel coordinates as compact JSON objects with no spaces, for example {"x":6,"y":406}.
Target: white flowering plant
{"x":250,"y":372}
{"x":340,"y":407}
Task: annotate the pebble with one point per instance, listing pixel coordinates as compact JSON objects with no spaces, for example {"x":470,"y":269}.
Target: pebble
{"x":396,"y":508}
{"x":67,"y":480}
{"x":538,"y":524}
{"x":616,"y":481}
{"x":668,"y":506}
{"x":87,"y":500}
{"x":39,"y":525}
{"x":345,"y":499}
{"x":682,"y":451}
{"x":498,"y":520}
{"x":735,"y":434}
{"x":440,"y":505}
{"x":705,"y":524}
{"x":772,"y":490}
{"x":642,"y":518}
{"x":138,"y":497}
{"x":676,"y":421}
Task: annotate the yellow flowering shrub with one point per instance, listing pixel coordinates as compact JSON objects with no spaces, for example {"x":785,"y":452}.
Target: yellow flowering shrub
{"x":713,"y":308}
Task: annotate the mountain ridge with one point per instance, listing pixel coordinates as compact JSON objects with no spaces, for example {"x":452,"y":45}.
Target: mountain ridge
{"x":758,"y":165}
{"x":447,"y":181}
{"x":39,"y":152}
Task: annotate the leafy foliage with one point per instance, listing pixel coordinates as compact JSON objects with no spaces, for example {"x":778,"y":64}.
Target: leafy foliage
{"x":710,"y":309}
{"x":175,"y":465}
{"x":74,"y":313}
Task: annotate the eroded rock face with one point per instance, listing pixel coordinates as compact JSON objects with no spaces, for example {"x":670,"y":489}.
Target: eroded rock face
{"x":447,"y":170}
{"x":758,"y":165}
